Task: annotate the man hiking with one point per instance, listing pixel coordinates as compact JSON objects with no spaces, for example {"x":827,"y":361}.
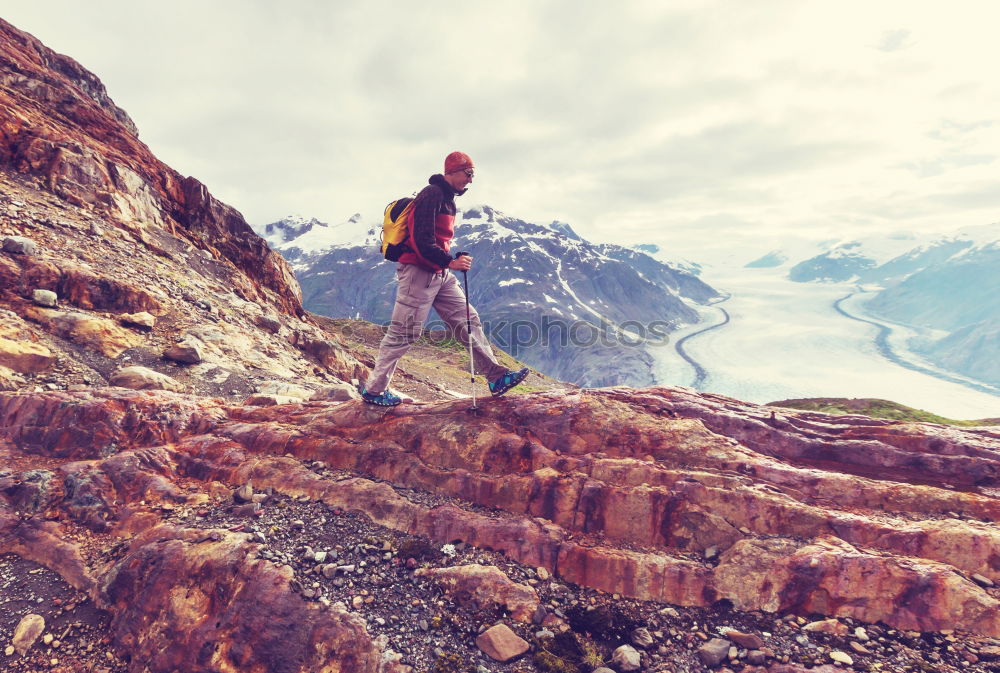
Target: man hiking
{"x":424,"y":282}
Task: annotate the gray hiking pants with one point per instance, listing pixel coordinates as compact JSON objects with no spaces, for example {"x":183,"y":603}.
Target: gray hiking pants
{"x":418,"y":291}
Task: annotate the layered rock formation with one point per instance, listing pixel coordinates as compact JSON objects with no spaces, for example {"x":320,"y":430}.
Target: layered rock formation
{"x":659,"y":494}
{"x":59,"y":124}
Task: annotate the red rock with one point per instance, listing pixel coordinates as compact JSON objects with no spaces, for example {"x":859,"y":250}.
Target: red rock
{"x":501,"y":644}
{"x":748,"y":641}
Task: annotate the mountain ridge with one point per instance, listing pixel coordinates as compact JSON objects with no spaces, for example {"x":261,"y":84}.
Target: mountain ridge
{"x":528,"y":279}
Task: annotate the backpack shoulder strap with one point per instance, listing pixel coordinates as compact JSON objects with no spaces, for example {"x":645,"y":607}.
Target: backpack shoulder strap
{"x":398,"y":207}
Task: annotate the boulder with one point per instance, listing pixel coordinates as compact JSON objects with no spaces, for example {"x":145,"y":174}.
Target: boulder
{"x":27,"y":632}
{"x":25,"y":357}
{"x":44,"y":298}
{"x":501,"y":644}
{"x":143,"y":378}
{"x":186,"y":352}
{"x":143,"y":320}
{"x":481,"y":586}
{"x":19,"y":245}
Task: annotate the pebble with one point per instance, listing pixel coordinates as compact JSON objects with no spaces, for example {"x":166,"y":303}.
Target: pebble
{"x":642,"y":638}
{"x":859,"y":648}
{"x":9,"y":650}
{"x":747,"y":641}
{"x":714,"y":652}
{"x":842,"y":658}
{"x":319,"y":557}
{"x":543,"y":574}
{"x":981,"y":580}
{"x":626,"y":658}
{"x":861,"y":634}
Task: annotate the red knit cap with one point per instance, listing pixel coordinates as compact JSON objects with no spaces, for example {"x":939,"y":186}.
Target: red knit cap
{"x":457,"y":161}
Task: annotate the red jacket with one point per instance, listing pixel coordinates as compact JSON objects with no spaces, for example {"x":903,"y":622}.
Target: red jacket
{"x":431,"y":226}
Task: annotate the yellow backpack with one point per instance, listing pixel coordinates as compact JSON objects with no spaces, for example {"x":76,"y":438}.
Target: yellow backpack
{"x":394,"y":230}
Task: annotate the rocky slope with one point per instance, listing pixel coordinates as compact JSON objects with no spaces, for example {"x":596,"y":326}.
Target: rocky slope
{"x":187,"y":521}
{"x":578,"y":311}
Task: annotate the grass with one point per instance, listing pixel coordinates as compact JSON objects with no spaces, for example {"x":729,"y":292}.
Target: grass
{"x":876,"y":408}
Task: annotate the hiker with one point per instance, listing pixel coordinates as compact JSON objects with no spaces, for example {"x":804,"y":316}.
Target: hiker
{"x":424,"y":281}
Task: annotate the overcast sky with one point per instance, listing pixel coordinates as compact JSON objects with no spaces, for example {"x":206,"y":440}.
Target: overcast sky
{"x":633,"y":121}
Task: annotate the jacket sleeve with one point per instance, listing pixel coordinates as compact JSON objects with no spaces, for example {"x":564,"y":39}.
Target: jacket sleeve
{"x":425,"y":211}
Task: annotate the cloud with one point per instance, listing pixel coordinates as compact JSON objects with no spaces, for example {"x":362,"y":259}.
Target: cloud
{"x":622,"y":120}
{"x":894,"y":40}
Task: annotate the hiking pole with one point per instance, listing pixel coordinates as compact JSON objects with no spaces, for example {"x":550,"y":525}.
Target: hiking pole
{"x":468,"y":331}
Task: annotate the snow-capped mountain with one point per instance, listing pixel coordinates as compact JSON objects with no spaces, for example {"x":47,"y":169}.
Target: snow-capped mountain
{"x":298,"y":238}
{"x":661,"y":255}
{"x":851,"y":259}
{"x":568,"y":307}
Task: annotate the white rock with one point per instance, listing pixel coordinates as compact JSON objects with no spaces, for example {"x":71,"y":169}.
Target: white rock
{"x":143,"y":319}
{"x":44,"y":298}
{"x":19,"y":245}
{"x":186,"y":352}
{"x":143,"y":378}
{"x":842,"y":658}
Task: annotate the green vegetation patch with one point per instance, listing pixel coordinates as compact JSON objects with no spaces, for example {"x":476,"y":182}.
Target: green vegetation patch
{"x":875,"y":408}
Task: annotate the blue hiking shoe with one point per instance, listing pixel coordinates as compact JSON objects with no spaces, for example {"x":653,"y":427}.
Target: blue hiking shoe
{"x":510,"y":379}
{"x":386,"y":399}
